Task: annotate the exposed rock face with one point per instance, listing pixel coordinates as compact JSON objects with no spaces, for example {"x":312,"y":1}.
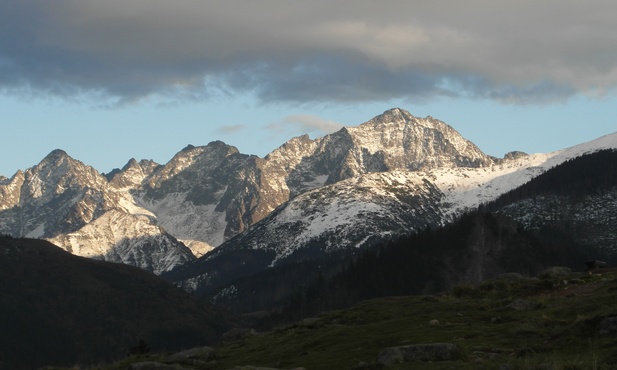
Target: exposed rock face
{"x":395,"y":140}
{"x":10,"y":190}
{"x":412,"y":143}
{"x":59,"y":195}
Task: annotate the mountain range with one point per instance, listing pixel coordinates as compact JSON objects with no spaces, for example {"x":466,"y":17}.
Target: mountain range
{"x":390,"y":176}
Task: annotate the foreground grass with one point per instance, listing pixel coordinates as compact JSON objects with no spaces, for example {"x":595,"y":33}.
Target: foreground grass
{"x":558,"y":329}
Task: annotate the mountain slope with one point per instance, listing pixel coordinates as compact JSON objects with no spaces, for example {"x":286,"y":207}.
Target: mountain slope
{"x":324,"y":223}
{"x":351,"y":213}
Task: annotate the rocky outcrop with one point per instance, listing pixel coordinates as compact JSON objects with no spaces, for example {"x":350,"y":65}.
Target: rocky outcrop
{"x":418,"y":352}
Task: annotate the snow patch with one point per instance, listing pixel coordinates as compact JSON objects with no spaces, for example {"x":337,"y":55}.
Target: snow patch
{"x":198,"y":248}
{"x":188,"y":221}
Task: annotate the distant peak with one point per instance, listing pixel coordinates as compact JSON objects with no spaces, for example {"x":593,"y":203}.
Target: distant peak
{"x":221,"y":146}
{"x":131,"y":163}
{"x":217,"y":143}
{"x":394,"y":114}
{"x":188,"y":148}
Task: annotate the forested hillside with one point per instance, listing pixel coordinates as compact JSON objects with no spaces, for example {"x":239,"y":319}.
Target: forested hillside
{"x":60,"y":309}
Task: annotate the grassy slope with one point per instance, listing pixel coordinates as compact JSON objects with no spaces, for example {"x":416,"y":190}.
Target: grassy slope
{"x":560,"y":333}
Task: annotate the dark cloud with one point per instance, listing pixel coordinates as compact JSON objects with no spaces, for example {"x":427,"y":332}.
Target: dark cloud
{"x":517,"y":52}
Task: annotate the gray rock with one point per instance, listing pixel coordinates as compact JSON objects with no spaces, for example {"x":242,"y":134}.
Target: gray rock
{"x":309,"y":321}
{"x":198,"y":353}
{"x":418,"y":352}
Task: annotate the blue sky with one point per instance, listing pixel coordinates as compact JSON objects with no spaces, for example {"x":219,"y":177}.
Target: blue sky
{"x":108,"y":81}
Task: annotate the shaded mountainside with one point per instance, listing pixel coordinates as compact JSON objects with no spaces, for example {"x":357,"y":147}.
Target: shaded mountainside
{"x":477,"y":247}
{"x":62,"y":309}
{"x":579,"y":196}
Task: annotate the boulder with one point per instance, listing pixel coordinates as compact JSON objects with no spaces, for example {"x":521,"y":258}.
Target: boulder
{"x":237,"y":334}
{"x":510,"y":276}
{"x":556,"y":271}
{"x":418,"y":352}
{"x":522,"y":305}
{"x":153,"y":365}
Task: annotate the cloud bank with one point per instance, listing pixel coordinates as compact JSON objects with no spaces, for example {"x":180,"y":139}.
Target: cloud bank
{"x":317,"y":51}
